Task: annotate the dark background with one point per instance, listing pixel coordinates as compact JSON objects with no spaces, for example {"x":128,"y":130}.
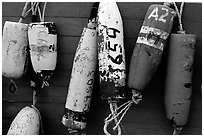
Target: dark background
{"x":146,"y":118}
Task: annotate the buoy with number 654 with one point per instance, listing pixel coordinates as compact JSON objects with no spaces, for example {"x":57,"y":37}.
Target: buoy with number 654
{"x":111,"y":56}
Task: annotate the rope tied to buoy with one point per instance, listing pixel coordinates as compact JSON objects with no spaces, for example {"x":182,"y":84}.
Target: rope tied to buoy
{"x":12,"y":86}
{"x":177,"y":130}
{"x":136,"y":98}
{"x":24,"y":12}
{"x":41,"y":15}
{"x":179,"y":14}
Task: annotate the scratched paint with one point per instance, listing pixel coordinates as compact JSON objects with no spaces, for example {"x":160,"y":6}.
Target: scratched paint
{"x":111,"y":53}
{"x":82,"y":81}
{"x":14,"y":49}
{"x":43,"y":46}
{"x":178,"y":89}
{"x":27,"y":122}
{"x":149,"y":46}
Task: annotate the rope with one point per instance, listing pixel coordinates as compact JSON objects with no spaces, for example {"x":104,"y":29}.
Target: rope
{"x":24,"y":12}
{"x":12,"y":86}
{"x":177,"y":130}
{"x":136,"y":98}
{"x":179,"y":13}
{"x":36,"y":7}
{"x":113,"y":109}
{"x":39,"y":12}
{"x":33,"y":85}
{"x":43,"y":14}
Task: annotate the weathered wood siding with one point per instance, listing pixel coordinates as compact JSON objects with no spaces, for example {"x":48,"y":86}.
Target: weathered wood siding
{"x":146,"y":118}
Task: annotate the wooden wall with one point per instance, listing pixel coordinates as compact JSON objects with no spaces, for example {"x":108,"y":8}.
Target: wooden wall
{"x":146,"y":118}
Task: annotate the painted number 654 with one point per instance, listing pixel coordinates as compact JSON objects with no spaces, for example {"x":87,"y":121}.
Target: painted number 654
{"x":154,"y":14}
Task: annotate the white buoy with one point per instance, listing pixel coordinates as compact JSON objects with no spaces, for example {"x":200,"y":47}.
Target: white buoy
{"x":111,"y":52}
{"x":27,"y":122}
{"x":14,"y":49}
{"x":43,"y":45}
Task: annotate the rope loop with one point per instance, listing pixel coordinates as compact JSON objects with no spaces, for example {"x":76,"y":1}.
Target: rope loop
{"x":120,"y":111}
{"x":12,"y":86}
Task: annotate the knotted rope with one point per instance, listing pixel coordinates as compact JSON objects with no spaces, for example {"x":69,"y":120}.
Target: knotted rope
{"x":136,"y":98}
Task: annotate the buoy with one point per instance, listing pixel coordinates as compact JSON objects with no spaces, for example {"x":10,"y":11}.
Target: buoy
{"x":43,"y":48}
{"x":111,"y":53}
{"x":149,"y":46}
{"x":14,"y":49}
{"x":27,"y":122}
{"x":111,"y":56}
{"x":178,"y":87}
{"x":82,"y":77}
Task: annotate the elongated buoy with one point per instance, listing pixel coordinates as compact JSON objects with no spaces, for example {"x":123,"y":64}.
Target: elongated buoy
{"x":82,"y":78}
{"x":149,"y":46}
{"x":178,"y":87}
{"x":43,"y":48}
{"x":14,"y":49}
{"x":27,"y":122}
{"x":111,"y":56}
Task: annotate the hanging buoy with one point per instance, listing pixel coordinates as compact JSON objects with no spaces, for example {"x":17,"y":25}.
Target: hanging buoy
{"x":178,"y":87}
{"x":27,"y":122}
{"x":14,"y":49}
{"x":111,"y":56}
{"x":111,"y":53}
{"x":149,"y":46}
{"x":82,"y":78}
{"x":43,"y":48}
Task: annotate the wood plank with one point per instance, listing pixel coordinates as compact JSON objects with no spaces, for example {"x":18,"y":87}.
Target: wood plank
{"x":53,"y":9}
{"x":129,"y":10}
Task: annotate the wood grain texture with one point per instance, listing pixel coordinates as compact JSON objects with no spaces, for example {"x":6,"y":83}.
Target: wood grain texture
{"x":146,"y":118}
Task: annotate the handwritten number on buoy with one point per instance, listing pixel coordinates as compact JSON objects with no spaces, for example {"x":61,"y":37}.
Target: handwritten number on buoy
{"x":154,"y":14}
{"x":118,"y":60}
{"x":114,"y":32}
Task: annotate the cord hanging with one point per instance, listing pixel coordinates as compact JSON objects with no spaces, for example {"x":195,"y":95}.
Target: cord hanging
{"x":24,"y":12}
{"x":179,"y":13}
{"x":136,"y":98}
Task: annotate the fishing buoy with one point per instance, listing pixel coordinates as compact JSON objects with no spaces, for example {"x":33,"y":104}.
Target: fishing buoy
{"x":149,"y":46}
{"x":14,"y":49}
{"x":111,"y":53}
{"x":43,"y":48}
{"x":178,"y":87}
{"x":82,"y":77}
{"x":111,"y":56}
{"x":27,"y":122}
